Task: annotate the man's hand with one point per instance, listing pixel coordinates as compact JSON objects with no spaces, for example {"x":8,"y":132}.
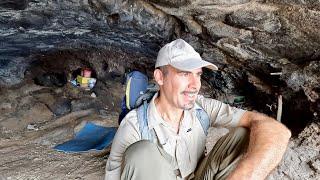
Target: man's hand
{"x":267,"y":144}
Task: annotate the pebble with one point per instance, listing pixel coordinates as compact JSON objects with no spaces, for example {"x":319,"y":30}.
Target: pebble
{"x":5,"y":106}
{"x":32,"y":127}
{"x":93,"y":95}
{"x":103,"y":112}
{"x":36,"y":159}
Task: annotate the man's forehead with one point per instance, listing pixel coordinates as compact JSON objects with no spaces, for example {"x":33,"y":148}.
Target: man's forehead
{"x":198,"y":70}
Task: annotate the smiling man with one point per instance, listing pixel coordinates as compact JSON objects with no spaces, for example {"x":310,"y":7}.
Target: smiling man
{"x":176,"y":132}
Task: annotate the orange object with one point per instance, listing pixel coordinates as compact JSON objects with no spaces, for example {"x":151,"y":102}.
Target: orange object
{"x":86,"y":72}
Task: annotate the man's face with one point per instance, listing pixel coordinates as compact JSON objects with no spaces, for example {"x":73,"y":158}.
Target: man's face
{"x":180,"y":88}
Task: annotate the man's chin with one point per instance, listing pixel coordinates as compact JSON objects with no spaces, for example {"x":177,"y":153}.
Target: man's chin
{"x":189,"y":106}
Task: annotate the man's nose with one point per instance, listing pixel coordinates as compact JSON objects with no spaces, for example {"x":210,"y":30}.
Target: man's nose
{"x":194,"y":81}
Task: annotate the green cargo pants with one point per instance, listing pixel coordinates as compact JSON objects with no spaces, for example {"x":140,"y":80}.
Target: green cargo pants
{"x":145,"y":160}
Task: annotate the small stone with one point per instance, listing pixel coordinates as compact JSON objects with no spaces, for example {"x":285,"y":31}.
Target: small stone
{"x":21,"y":29}
{"x":32,"y":127}
{"x":5,"y":106}
{"x":103,"y":112}
{"x":93,"y":95}
{"x":316,"y":165}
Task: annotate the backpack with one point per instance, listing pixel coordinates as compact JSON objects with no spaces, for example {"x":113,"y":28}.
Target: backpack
{"x":138,"y":95}
{"x":136,"y":85}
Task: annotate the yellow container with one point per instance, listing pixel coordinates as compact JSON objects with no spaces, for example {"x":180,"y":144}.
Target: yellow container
{"x":83,"y":80}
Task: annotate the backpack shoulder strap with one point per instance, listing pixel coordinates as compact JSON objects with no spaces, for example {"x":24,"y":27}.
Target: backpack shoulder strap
{"x":203,"y":118}
{"x":142,"y":116}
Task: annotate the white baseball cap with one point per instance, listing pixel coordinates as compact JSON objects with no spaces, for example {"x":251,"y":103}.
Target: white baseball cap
{"x":182,"y":56}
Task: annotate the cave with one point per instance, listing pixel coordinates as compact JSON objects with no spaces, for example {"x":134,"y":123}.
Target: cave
{"x":265,"y":51}
{"x":56,"y":69}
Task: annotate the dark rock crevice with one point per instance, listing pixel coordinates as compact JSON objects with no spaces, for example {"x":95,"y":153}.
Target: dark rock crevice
{"x":14,"y":4}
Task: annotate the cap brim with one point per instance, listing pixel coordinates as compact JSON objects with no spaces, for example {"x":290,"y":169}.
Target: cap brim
{"x":192,"y":64}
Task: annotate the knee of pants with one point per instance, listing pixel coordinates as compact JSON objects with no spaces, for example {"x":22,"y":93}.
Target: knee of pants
{"x":139,"y":151}
{"x":241,"y":131}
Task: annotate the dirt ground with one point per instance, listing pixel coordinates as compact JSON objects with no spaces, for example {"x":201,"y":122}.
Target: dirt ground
{"x":34,"y":161}
{"x":27,"y":153}
{"x":31,"y":160}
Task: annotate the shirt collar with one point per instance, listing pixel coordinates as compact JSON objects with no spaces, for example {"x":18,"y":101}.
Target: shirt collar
{"x":155,"y":119}
{"x":153,"y":114}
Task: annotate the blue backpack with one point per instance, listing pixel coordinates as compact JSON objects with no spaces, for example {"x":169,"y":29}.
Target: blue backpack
{"x":136,"y":85}
{"x":138,"y":95}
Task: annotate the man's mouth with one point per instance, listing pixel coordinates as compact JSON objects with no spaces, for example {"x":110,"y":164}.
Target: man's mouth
{"x":190,"y":95}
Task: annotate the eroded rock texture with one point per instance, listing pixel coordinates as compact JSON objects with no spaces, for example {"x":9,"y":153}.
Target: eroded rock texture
{"x":263,"y":49}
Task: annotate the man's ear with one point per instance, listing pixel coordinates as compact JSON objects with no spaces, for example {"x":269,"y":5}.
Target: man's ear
{"x":158,"y":76}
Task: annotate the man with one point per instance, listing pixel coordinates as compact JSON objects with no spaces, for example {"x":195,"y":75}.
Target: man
{"x":176,"y":150}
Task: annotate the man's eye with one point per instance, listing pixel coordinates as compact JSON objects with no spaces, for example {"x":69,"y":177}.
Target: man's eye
{"x":184,"y":73}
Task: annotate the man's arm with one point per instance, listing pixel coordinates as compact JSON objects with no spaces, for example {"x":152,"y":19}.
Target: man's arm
{"x":267,"y":144}
{"x":127,"y":134}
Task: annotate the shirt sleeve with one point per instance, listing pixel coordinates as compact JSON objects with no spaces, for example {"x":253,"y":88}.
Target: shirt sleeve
{"x":127,"y":134}
{"x":220,"y":114}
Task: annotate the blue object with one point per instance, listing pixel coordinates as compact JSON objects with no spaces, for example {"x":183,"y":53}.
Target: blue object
{"x":74,"y":82}
{"x":203,"y":118}
{"x":90,"y":137}
{"x":136,"y":86}
{"x":142,"y":115}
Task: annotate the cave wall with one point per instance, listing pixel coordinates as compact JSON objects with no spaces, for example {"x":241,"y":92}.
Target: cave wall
{"x":263,"y":48}
{"x":248,"y":40}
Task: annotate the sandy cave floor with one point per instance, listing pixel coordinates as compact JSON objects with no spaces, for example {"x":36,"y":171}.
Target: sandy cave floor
{"x":29,"y":154}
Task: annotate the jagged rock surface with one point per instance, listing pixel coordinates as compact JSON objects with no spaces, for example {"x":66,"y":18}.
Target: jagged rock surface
{"x":248,"y":40}
{"x":256,"y":37}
